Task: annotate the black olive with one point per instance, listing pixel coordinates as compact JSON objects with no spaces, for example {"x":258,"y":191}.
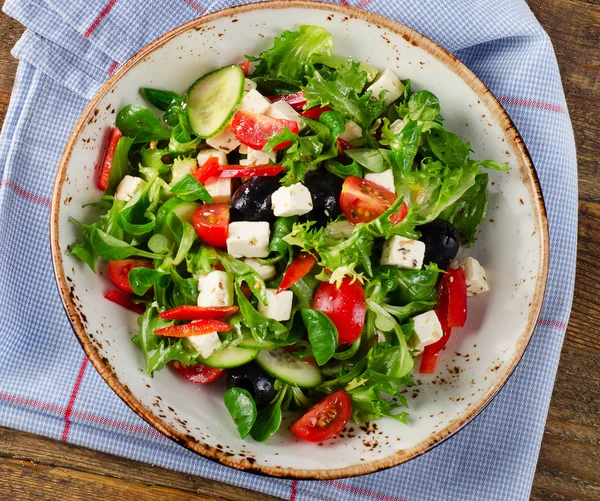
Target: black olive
{"x":441,"y":242}
{"x":325,"y":189}
{"x":252,"y":200}
{"x":252,"y":378}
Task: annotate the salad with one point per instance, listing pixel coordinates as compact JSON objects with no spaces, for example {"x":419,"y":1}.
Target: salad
{"x":291,"y":225}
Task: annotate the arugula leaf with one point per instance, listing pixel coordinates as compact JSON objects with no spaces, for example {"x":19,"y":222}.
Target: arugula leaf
{"x":290,"y":56}
{"x":404,"y":286}
{"x":138,"y":122}
{"x":304,"y":290}
{"x":262,"y":328}
{"x":161,"y":99}
{"x":184,"y":234}
{"x":322,"y":334}
{"x":242,"y":408}
{"x":467,"y":213}
{"x":267,"y":421}
{"x":142,"y":279}
{"x":334,"y":122}
{"x":189,"y":189}
{"x":120,"y":164}
{"x":342,"y":90}
{"x":282,"y":227}
{"x":344,"y":171}
{"x":113,"y":249}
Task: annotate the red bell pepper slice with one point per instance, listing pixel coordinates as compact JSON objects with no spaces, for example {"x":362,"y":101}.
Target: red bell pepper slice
{"x":245,"y":65}
{"x":296,"y":99}
{"x":208,"y":169}
{"x":243,"y":171}
{"x":451,"y":310}
{"x":122,"y":299}
{"x":193,"y":329}
{"x":188,"y":312}
{"x":107,"y":161}
{"x":400,"y":215}
{"x":299,"y":268}
{"x":315,"y":113}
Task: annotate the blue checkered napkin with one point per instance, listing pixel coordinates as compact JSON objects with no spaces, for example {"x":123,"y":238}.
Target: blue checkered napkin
{"x":46,"y":384}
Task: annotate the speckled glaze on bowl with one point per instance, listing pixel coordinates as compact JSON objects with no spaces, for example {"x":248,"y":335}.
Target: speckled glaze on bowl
{"x":512,"y":245}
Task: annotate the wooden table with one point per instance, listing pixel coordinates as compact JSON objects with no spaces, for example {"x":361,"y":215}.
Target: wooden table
{"x":569,"y":465}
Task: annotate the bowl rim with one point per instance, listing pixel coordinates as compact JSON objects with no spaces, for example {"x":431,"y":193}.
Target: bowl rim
{"x":526,"y":168}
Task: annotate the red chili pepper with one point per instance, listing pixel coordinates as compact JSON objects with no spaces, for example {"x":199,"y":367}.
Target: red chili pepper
{"x":198,"y":312}
{"x":296,"y":100}
{"x":245,"y":65}
{"x":208,"y":169}
{"x":315,"y":113}
{"x":107,"y":161}
{"x":193,"y":329}
{"x":243,"y":171}
{"x":298,"y":269}
{"x":122,"y":299}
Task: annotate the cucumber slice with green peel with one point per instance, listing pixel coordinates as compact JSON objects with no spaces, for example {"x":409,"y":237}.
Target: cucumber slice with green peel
{"x":252,"y":344}
{"x":229,"y":357}
{"x":212,"y":100}
{"x":185,"y":210}
{"x":281,"y":365}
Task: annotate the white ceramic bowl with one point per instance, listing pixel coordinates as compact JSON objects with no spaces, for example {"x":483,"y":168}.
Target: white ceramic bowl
{"x":512,"y":245}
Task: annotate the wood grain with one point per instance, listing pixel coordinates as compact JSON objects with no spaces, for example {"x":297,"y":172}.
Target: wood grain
{"x":33,"y":467}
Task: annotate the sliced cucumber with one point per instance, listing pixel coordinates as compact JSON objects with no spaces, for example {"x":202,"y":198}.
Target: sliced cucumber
{"x":280,"y":364}
{"x":229,"y":357}
{"x":185,"y":210}
{"x":212,"y":100}
{"x":252,"y":344}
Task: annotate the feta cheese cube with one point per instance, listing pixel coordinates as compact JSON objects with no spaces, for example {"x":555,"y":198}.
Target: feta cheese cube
{"x":208,"y":153}
{"x":339,"y":229}
{"x":181,"y":168}
{"x":474,"y":275}
{"x":219,"y":188}
{"x":224,"y":141}
{"x":293,"y":200}
{"x":127,"y":188}
{"x":255,"y":102}
{"x":265,"y":271}
{"x":397,"y":126}
{"x":249,"y":85}
{"x":279,"y":306}
{"x":205,"y":344}
{"x":426,"y":330}
{"x":388,"y":82}
{"x":215,"y":289}
{"x":351,"y":132}
{"x":403,"y":253}
{"x":257,"y":157}
{"x":248,"y":239}
{"x":281,"y":109}
{"x":384,"y":179}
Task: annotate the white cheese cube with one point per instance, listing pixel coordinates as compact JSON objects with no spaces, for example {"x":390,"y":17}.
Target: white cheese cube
{"x":339,"y":229}
{"x":474,"y":275}
{"x":388,"y":82}
{"x":243,"y":149}
{"x":293,"y":200}
{"x":181,"y":168}
{"x":397,"y":126}
{"x":403,"y":253}
{"x":205,"y":344}
{"x":255,"y":102}
{"x":257,"y":157}
{"x":351,"y":132}
{"x":265,"y":271}
{"x":208,"y":153}
{"x":384,"y":179}
{"x":279,"y":306}
{"x":249,"y":85}
{"x":426,"y":330}
{"x":248,"y":239}
{"x":219,"y":188}
{"x":127,"y":188}
{"x":215,"y":289}
{"x":224,"y":141}
{"x":281,"y":109}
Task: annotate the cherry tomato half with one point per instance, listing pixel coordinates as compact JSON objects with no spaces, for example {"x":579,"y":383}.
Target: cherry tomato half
{"x":198,"y":373}
{"x":254,"y":130}
{"x":211,"y":222}
{"x":324,"y":420}
{"x":119,"y":271}
{"x":346,"y":307}
{"x":362,"y":201}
